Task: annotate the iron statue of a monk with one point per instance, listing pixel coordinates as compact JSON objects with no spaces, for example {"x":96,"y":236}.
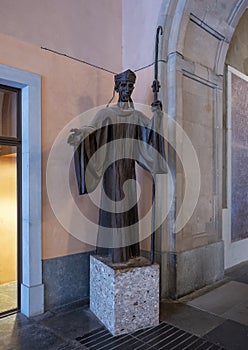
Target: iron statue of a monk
{"x":124,"y":136}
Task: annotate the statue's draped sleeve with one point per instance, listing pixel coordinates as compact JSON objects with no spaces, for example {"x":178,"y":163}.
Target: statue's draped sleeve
{"x":89,"y":164}
{"x":151,"y":153}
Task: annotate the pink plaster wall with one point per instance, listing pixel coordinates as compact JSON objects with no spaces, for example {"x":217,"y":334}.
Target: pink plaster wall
{"x":139,"y":23}
{"x":68,"y":89}
{"x":89,"y":30}
{"x":143,"y":91}
{"x":113,"y":34}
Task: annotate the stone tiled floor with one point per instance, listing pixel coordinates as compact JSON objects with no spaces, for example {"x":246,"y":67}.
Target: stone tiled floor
{"x":213,"y":318}
{"x":8,"y":296}
{"x":218,"y":313}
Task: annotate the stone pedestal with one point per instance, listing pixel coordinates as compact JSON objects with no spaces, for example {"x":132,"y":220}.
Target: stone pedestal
{"x":124,"y":297}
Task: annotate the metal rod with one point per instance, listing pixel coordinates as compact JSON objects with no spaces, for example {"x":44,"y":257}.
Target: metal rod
{"x":159,"y":29}
{"x":155,"y":87}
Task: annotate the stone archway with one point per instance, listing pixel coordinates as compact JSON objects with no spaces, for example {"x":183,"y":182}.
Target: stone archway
{"x":196,"y":39}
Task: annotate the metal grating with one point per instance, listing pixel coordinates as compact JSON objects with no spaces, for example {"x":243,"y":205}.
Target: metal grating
{"x":67,"y":346}
{"x":163,"y":336}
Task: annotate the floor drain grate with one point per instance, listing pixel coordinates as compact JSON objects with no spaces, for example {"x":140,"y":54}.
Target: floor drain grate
{"x":70,"y":347}
{"x":163,"y":336}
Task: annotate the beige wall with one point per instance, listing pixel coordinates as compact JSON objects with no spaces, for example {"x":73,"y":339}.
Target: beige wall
{"x":201,"y":109}
{"x":8,"y":219}
{"x":198,"y":123}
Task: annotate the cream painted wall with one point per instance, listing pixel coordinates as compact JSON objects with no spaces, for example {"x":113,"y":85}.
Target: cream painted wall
{"x":8,"y":219}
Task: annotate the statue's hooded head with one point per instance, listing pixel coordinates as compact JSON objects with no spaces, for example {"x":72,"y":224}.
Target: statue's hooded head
{"x":124,"y":85}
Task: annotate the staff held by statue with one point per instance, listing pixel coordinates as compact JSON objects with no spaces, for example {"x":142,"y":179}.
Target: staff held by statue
{"x":156,"y":103}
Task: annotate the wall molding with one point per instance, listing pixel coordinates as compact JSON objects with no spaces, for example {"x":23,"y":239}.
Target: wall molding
{"x":32,"y":289}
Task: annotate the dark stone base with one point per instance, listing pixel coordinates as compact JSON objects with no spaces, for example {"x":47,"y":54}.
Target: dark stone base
{"x":66,"y":279}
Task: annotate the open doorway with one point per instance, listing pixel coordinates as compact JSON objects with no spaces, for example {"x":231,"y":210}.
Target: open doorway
{"x":10,"y":199}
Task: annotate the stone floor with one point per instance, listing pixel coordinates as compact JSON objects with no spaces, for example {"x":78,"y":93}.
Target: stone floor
{"x":218,"y":313}
{"x":213,"y":318}
{"x":8,"y":296}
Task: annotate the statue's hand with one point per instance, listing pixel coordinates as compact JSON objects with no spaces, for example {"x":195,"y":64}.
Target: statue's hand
{"x":75,"y":137}
{"x":156,"y":105}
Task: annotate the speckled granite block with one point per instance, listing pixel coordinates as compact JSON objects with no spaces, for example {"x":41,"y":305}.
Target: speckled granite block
{"x":124,"y":297}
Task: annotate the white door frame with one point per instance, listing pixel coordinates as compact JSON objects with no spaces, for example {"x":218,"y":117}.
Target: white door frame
{"x":235,"y":252}
{"x":32,"y":289}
